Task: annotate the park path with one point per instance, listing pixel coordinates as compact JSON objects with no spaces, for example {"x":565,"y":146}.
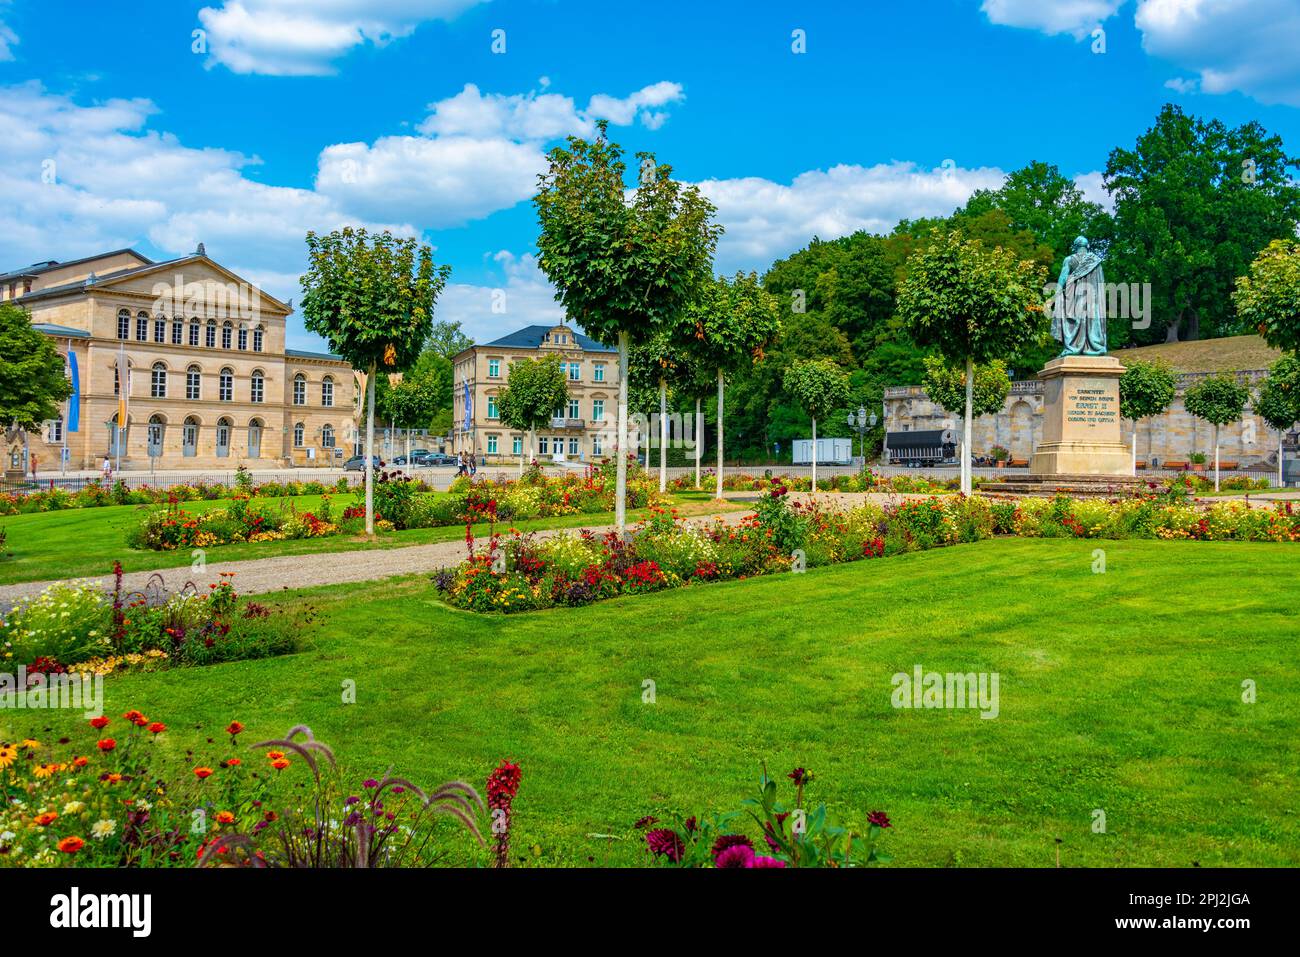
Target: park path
{"x":262,"y":575}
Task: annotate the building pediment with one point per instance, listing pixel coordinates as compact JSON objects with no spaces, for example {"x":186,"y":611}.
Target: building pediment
{"x":194,"y":286}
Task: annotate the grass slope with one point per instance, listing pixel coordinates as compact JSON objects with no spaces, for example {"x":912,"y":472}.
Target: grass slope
{"x":1119,"y":691}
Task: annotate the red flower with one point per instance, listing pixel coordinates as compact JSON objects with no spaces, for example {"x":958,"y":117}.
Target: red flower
{"x":202,"y":772}
{"x":108,"y":744}
{"x":70,"y":845}
{"x":99,"y":723}
{"x":664,"y":842}
{"x":136,"y":718}
{"x":157,"y":727}
{"x":878,"y":819}
{"x":503,"y":784}
{"x":234,"y":728}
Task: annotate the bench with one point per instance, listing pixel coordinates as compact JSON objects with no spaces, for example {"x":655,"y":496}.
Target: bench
{"x":1176,"y":466}
{"x":1141,"y":464}
{"x":1229,"y":466}
{"x":1018,"y":464}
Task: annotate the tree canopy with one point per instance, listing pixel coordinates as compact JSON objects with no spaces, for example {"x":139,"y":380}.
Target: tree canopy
{"x":534,"y":389}
{"x":1146,"y":389}
{"x":945,"y":384}
{"x":1268,"y":297}
{"x":32,"y":378}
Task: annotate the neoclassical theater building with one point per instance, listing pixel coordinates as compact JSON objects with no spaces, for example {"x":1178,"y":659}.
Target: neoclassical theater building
{"x":1174,"y":436}
{"x":201,"y":355}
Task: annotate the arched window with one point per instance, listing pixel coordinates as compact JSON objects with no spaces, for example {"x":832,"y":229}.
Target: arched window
{"x":158,"y":381}
{"x":299,"y":433}
{"x":227,"y":329}
{"x":327,"y":391}
{"x":327,"y":436}
{"x":223,"y":437}
{"x":300,"y":389}
{"x":142,"y":327}
{"x":124,"y":323}
{"x":211,"y":340}
{"x":157,"y":425}
{"x":178,"y":332}
{"x":243,"y":337}
{"x":258,"y":386}
{"x":190,"y":437}
{"x":226,"y":385}
{"x":193,"y":384}
{"x":160,"y":329}
{"x":194,"y":331}
{"x":257,"y":340}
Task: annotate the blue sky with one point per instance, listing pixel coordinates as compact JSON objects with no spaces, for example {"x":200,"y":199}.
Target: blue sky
{"x":284,"y":115}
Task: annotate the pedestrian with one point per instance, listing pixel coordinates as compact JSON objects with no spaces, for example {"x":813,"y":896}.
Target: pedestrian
{"x":473,"y":466}
{"x":108,"y":468}
{"x":460,"y":465}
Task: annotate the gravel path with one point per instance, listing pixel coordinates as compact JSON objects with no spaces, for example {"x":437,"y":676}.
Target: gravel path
{"x":261,"y":575}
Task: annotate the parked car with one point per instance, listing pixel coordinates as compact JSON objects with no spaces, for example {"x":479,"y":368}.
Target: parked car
{"x":433,"y":458}
{"x":357,"y":463}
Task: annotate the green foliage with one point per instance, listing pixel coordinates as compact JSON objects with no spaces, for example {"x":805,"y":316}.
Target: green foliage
{"x":413,"y":402}
{"x":1278,"y":402}
{"x":1268,"y":298}
{"x":1146,"y":389}
{"x":945,"y":384}
{"x":1218,"y":399}
{"x":818,"y":385}
{"x":371,"y":297}
{"x":534,"y":389}
{"x":732,"y":322}
{"x":32,"y":380}
{"x":1195,"y":201}
{"x":620,"y":265}
{"x":971,"y":301}
{"x":446,"y":339}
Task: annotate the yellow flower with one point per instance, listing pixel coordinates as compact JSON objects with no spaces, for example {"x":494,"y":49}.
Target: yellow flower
{"x":45,"y":770}
{"x":29,"y":743}
{"x":7,"y":754}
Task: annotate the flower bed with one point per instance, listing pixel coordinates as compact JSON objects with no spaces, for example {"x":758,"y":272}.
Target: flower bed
{"x":516,"y":572}
{"x":75,"y":628}
{"x":114,"y":798}
{"x":864,"y":481}
{"x":97,"y":495}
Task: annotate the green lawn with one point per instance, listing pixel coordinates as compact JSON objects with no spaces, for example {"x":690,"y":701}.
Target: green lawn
{"x":81,"y":542}
{"x":1119,"y":691}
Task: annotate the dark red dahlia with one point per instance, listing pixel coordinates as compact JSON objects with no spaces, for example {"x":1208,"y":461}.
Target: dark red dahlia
{"x":879,"y":819}
{"x":800,"y":777}
{"x":664,"y":842}
{"x":738,"y":855}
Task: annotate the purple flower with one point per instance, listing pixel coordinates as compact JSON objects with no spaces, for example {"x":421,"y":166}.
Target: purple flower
{"x":370,"y":783}
{"x":879,"y":819}
{"x":759,"y":861}
{"x":664,"y":842}
{"x":351,"y":801}
{"x":737,"y":855}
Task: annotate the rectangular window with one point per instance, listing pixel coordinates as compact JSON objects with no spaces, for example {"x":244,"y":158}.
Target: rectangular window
{"x":573,"y":446}
{"x":160,"y":330}
{"x":142,"y":329}
{"x":55,"y":431}
{"x":574,"y":412}
{"x":124,"y":326}
{"x":598,"y":410}
{"x":226,"y":387}
{"x":598,"y":372}
{"x":192,"y":387}
{"x":595,"y":444}
{"x":517,"y":447}
{"x":178,"y":333}
{"x":300,"y":391}
{"x":492,"y":445}
{"x":225,"y":336}
{"x":492,"y":408}
{"x":494,"y":368}
{"x":257,"y":388}
{"x":212,"y":337}
{"x":257,"y":340}
{"x":243,"y":339}
{"x":327,"y":393}
{"x":575,"y":371}
{"x":543,"y":443}
{"x":194,"y":333}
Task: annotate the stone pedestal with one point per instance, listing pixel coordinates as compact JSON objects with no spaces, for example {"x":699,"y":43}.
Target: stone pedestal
{"x":1081,"y":424}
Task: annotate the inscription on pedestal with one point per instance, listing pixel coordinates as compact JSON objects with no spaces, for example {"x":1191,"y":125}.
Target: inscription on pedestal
{"x":1090,"y":405}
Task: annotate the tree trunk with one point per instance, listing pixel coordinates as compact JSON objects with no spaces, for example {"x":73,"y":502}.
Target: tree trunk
{"x":1216,"y":457}
{"x":813,"y":487}
{"x":1281,"y":480}
{"x":699,"y":440}
{"x":523,"y":450}
{"x":719,"y":493}
{"x":620,"y":481}
{"x":1135,"y":448}
{"x":370,"y":451}
{"x":966,"y":427}
{"x":663,"y":436}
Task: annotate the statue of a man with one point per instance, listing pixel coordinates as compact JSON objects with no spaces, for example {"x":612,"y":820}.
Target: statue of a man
{"x":1079,"y":312}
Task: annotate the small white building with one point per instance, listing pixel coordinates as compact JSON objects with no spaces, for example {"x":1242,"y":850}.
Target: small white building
{"x":829,"y":451}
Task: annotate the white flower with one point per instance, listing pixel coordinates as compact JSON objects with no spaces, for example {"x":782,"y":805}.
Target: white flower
{"x":73,"y":807}
{"x":102,"y":829}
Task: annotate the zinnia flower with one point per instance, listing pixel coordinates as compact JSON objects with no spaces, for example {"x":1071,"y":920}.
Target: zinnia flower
{"x":70,"y":845}
{"x":225,"y":817}
{"x":664,"y":842}
{"x":80,"y":762}
{"x":102,"y":829}
{"x":108,"y":744}
{"x":157,"y":727}
{"x":99,"y":723}
{"x":280,"y":764}
{"x":234,"y":728}
{"x":46,"y":819}
{"x":202,"y":772}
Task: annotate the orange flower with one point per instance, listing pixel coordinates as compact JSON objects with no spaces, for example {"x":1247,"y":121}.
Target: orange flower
{"x":279,"y":764}
{"x":234,"y":728}
{"x":274,"y":755}
{"x":70,"y":845}
{"x":46,"y":819}
{"x":233,"y":762}
{"x":108,"y":744}
{"x":225,"y":817}
{"x":202,"y":772}
{"x":113,"y":778}
{"x":136,"y":718}
{"x":80,"y":762}
{"x":99,"y":723}
{"x":157,"y":727}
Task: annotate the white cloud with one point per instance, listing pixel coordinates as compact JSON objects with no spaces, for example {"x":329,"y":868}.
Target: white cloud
{"x":1093,"y":187}
{"x":8,"y":40}
{"x":524,"y":298}
{"x":305,"y":37}
{"x":1249,"y":46}
{"x":764,"y":219}
{"x":1075,"y":17}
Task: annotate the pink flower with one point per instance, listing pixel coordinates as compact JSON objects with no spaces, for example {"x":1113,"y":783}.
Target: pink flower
{"x":759,"y":861}
{"x":737,"y":855}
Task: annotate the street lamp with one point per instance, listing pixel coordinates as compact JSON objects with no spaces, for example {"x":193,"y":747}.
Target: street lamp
{"x":862,"y":422}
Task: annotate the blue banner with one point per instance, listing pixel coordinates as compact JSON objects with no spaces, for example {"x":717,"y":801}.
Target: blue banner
{"x":74,"y":403}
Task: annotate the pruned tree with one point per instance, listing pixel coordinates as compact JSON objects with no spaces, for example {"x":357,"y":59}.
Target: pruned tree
{"x":945,"y":384}
{"x":534,"y":389}
{"x":1268,"y":297}
{"x":1218,"y":399}
{"x":32,"y":378}
{"x":1278,"y":402}
{"x":1146,"y":389}
{"x":973,"y":304}
{"x":820,"y":387}
{"x":625,"y":263}
{"x":371,"y":297}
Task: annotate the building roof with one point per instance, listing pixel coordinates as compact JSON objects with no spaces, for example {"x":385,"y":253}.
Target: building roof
{"x":65,"y":332}
{"x":530,"y":337}
{"x":305,"y":354}
{"x":37,"y":268}
{"x":1229,"y":354}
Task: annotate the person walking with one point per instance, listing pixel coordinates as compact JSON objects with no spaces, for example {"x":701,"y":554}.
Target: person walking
{"x":108,"y":468}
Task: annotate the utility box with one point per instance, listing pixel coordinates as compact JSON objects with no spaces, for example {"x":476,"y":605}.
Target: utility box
{"x":829,"y":451}
{"x":1291,"y":471}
